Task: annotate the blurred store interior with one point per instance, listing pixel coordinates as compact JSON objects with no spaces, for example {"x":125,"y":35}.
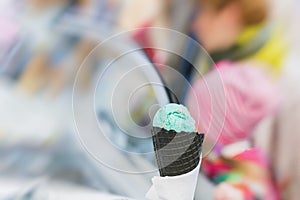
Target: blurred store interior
{"x":80,"y":81}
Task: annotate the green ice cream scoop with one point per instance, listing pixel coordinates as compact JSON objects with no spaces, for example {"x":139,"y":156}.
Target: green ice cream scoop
{"x":174,"y":117}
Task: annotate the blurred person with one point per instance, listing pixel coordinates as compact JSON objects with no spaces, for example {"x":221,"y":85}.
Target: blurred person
{"x":154,"y":16}
{"x":37,"y":24}
{"x":243,"y":30}
{"x":59,"y":55}
{"x":242,"y":95}
{"x":240,"y":30}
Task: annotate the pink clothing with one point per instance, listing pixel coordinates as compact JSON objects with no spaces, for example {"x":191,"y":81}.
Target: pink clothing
{"x":229,"y":102}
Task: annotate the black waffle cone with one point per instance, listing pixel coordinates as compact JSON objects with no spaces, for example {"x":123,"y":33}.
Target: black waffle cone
{"x":176,"y":153}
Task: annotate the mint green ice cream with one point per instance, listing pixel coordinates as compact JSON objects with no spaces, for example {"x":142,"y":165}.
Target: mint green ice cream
{"x":174,"y":117}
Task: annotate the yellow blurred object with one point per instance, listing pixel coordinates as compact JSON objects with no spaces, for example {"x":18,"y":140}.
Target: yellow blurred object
{"x":274,"y":51}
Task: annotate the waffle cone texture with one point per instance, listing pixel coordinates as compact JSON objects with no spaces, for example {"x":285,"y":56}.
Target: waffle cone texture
{"x":176,"y":153}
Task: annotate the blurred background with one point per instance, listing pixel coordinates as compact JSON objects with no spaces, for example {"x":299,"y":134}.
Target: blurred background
{"x":81,"y":79}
